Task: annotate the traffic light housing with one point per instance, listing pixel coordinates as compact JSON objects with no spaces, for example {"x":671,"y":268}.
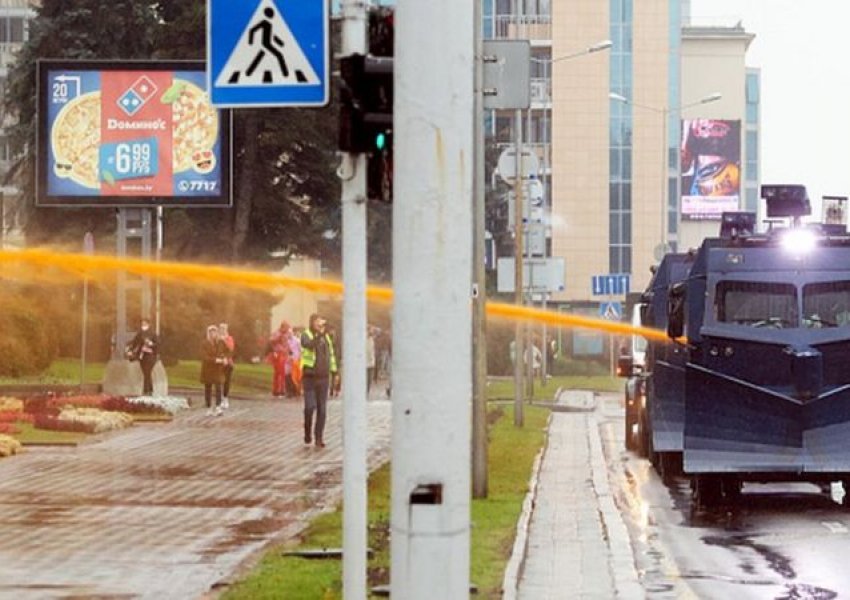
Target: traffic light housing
{"x":367,"y":102}
{"x":366,"y":117}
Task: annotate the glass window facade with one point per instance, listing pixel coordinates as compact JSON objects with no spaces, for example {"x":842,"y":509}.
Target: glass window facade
{"x":674,"y":134}
{"x":753,"y":98}
{"x":620,"y":154}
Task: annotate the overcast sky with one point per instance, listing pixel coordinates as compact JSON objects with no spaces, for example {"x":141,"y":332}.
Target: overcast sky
{"x":802,"y":48}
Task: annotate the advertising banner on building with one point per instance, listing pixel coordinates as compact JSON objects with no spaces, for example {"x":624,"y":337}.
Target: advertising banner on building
{"x":130,"y":134}
{"x":711,"y":168}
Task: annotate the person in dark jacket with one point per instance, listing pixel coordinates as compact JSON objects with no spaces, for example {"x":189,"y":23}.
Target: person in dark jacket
{"x":318,"y":365}
{"x":214,"y":356}
{"x":144,"y":347}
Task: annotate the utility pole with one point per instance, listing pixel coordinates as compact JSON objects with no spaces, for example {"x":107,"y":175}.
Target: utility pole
{"x":354,"y":257}
{"x":479,"y":278}
{"x":432,"y":312}
{"x":519,"y":253}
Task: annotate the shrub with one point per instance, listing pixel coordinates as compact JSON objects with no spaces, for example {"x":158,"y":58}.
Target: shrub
{"x":9,"y":446}
{"x":9,"y":428}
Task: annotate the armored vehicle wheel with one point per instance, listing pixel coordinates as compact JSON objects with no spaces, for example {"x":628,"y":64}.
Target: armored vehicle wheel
{"x":643,"y":438}
{"x":632,"y":427}
{"x":731,"y":487}
{"x":707,"y":491}
{"x":669,"y":464}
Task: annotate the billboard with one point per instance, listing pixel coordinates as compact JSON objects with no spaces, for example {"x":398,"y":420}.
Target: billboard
{"x":711,"y":168}
{"x":130,"y":134}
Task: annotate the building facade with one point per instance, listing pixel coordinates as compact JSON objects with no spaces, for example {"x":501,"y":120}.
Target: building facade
{"x":607,"y":126}
{"x":714,"y":61}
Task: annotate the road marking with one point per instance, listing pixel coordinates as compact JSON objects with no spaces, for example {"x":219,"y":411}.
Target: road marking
{"x":834,"y":527}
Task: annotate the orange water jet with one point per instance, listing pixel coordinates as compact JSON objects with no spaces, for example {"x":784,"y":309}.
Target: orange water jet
{"x":97,"y":266}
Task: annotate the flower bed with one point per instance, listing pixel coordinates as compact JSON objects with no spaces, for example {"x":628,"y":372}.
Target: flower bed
{"x":166,"y":404}
{"x":9,"y":446}
{"x":98,"y":420}
{"x":11,"y":404}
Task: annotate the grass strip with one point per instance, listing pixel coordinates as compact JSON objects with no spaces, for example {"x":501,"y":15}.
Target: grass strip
{"x":30,"y":436}
{"x":504,"y":387}
{"x":494,"y":520}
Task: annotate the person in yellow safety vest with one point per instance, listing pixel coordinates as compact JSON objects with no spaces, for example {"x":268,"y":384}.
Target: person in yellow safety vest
{"x":318,"y":364}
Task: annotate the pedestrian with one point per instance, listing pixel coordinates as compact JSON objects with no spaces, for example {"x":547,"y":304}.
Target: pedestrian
{"x":370,"y":358}
{"x":213,"y":359}
{"x":318,"y":365}
{"x":144,"y":347}
{"x":278,"y":356}
{"x":336,"y":378}
{"x":229,"y":366}
{"x":293,"y":373}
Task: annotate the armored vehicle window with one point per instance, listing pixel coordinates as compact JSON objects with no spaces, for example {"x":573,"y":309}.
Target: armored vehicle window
{"x":826,"y":304}
{"x":757,"y":304}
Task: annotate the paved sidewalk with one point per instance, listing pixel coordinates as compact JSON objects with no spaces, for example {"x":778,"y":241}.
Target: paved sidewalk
{"x":169,"y":510}
{"x":578,"y":546}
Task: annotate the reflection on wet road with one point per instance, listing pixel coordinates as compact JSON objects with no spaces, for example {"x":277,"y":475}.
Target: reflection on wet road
{"x":779,"y":542}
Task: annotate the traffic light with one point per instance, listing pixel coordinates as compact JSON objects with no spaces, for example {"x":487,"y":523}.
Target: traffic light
{"x":367,"y":102}
{"x":366,"y":117}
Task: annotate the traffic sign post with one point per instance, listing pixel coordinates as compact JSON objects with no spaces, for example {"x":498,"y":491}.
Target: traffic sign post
{"x":508,"y":164}
{"x":268,"y":53}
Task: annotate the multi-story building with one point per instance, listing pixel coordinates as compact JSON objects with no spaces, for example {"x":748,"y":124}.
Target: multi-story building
{"x":15,"y":16}
{"x":531,"y":20}
{"x":608,"y":125}
{"x":714,"y":61}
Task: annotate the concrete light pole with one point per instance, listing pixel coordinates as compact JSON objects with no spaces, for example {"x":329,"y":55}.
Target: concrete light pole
{"x":479,"y":282}
{"x":665,"y":113}
{"x":354,"y":260}
{"x":432,"y":312}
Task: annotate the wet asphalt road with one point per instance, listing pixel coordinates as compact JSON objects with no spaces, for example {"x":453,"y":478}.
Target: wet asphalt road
{"x":781,"y":541}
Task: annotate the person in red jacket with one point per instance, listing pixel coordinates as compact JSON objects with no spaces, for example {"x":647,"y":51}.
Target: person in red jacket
{"x":278,"y":356}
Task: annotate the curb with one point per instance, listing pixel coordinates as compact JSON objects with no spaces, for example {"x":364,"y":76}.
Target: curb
{"x":622,"y":558}
{"x":516,"y":563}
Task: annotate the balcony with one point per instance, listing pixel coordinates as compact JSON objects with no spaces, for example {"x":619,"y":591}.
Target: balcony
{"x":537,"y":28}
{"x":541,"y":92}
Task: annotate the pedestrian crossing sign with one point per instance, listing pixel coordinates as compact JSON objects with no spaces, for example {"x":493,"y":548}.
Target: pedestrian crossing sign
{"x":268,"y":53}
{"x":611,"y":311}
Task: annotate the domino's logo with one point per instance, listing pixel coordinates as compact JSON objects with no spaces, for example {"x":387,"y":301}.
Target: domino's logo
{"x":137,"y":96}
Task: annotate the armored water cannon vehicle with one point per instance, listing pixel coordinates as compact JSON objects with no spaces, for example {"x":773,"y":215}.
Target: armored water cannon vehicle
{"x":755,"y":384}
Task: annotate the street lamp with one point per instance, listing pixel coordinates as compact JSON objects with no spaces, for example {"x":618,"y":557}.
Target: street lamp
{"x":519,"y":243}
{"x":597,"y":47}
{"x":665,"y":113}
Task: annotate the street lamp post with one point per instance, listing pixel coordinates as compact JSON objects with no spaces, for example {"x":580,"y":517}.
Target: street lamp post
{"x":665,"y":113}
{"x":546,"y":180}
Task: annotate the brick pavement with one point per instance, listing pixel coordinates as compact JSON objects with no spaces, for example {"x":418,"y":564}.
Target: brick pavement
{"x":577,"y":546}
{"x":167,"y":510}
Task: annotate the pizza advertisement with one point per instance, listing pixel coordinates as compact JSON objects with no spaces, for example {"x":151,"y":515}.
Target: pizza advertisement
{"x":130,"y":134}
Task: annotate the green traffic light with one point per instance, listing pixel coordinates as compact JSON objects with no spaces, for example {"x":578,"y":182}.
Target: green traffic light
{"x":381,"y":141}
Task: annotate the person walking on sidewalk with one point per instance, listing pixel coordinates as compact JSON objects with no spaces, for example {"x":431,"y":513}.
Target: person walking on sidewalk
{"x":278,"y":356}
{"x":144,"y":347}
{"x":229,"y":365}
{"x":213,"y":358}
{"x":318,"y":365}
{"x":293,"y":367}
